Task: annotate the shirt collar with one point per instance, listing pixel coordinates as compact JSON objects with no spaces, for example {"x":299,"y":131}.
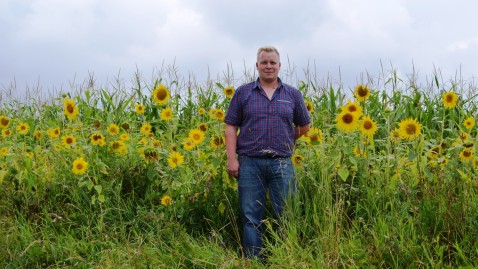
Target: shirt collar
{"x":256,"y":83}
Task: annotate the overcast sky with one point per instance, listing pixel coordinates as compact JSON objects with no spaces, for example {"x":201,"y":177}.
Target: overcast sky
{"x":52,"y":42}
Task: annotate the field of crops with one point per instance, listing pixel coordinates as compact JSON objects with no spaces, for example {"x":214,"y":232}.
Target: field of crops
{"x":115,"y":177}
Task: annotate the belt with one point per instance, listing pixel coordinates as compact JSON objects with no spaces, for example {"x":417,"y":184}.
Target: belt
{"x":268,"y":157}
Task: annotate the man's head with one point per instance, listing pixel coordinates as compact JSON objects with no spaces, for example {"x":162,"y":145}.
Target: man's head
{"x":268,"y":64}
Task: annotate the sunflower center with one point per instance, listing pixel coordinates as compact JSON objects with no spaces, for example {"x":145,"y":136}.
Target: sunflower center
{"x":367,"y":125}
{"x":411,"y":129}
{"x":161,"y":94}
{"x":175,"y":160}
{"x":449,"y":98}
{"x":70,"y":108}
{"x":196,"y":137}
{"x":467,"y":153}
{"x":79,"y":166}
{"x":22,"y":127}
{"x":347,"y":118}
{"x":314,"y":137}
{"x":4,"y":122}
{"x":352,"y":108}
{"x":217,"y":141}
{"x":362,"y":92}
{"x":69,"y":140}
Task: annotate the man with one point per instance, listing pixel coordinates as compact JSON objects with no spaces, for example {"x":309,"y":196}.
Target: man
{"x":270,"y":115}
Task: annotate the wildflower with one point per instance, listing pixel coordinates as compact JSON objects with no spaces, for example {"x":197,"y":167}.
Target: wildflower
{"x":466,"y":154}
{"x":97,"y":139}
{"x":352,"y":107}
{"x":53,"y":133}
{"x":309,"y":105}
{"x":161,"y":95}
{"x":4,"y":122}
{"x":449,"y":100}
{"x":347,"y":122}
{"x":38,"y":134}
{"x":23,"y":128}
{"x":166,"y":114}
{"x":203,"y":127}
{"x":139,"y":108}
{"x":69,"y":108}
{"x":124,"y":137}
{"x":196,"y":135}
{"x":229,"y":92}
{"x":166,"y":200}
{"x":3,"y":151}
{"x":315,"y":135}
{"x":368,"y":127}
{"x":6,"y":133}
{"x":119,"y":147}
{"x":188,"y":144}
{"x":217,"y":142}
{"x":175,"y":159}
{"x":469,"y":123}
{"x":297,"y":160}
{"x":361,"y":92}
{"x":145,"y":128}
{"x":68,"y":140}
{"x":79,"y":166}
{"x":434,"y":152}
{"x":410,"y":129}
{"x":113,"y":129}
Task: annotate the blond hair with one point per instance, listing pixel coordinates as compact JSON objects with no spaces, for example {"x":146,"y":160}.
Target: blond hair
{"x":267,"y":49}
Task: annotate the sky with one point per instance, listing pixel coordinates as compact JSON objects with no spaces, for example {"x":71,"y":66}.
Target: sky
{"x":53,"y":44}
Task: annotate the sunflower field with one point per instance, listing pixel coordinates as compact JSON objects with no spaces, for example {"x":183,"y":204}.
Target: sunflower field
{"x":136,"y":178}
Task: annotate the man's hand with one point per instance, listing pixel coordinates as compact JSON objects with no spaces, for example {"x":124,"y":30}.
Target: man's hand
{"x":233,"y":167}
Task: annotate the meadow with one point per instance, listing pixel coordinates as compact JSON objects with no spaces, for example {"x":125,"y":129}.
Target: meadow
{"x":135,"y":177}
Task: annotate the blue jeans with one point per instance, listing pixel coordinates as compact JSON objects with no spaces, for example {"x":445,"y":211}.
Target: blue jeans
{"x":256,"y":176}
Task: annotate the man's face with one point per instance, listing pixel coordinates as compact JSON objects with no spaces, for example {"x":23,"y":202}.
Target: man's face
{"x":268,"y":65}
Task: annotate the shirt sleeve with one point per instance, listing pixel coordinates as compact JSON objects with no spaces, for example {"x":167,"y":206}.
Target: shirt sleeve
{"x":234,"y":112}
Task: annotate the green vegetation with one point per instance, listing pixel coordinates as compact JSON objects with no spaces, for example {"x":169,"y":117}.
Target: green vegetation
{"x":136,"y":178}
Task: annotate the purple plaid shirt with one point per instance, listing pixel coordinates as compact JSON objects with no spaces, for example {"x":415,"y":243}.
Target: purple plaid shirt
{"x":267,"y":127}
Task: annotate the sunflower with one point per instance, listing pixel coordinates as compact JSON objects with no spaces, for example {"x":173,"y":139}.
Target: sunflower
{"x":145,"y":128}
{"x":23,"y":128}
{"x":395,"y":135}
{"x":361,"y":92}
{"x":97,"y":139}
{"x":203,"y":127}
{"x":217,"y":142}
{"x":434,"y":152}
{"x":4,"y":122}
{"x":315,"y":135}
{"x":309,"y":105}
{"x":150,"y":155}
{"x":449,"y":100}
{"x":6,"y":133}
{"x":475,"y":163}
{"x":229,"y":92}
{"x":201,"y":111}
{"x":3,"y":151}
{"x":124,"y":137}
{"x":166,"y":114}
{"x":347,"y":122}
{"x":166,"y":200}
{"x":175,"y":159}
{"x":119,"y":147}
{"x":359,"y":153}
{"x":368,"y":127}
{"x":79,"y":166}
{"x":53,"y":133}
{"x":69,"y":108}
{"x":189,"y":144}
{"x":352,"y":107}
{"x":410,"y":129}
{"x":161,"y":95}
{"x":469,"y":123}
{"x":38,"y":134}
{"x":68,"y":140}
{"x":113,"y":129}
{"x":139,"y":108}
{"x":464,"y":137}
{"x":217,"y":114}
{"x":297,"y":160}
{"x":196,"y":135}
{"x":466,"y":154}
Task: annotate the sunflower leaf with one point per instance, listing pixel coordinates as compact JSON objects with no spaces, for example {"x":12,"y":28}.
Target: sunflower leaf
{"x":343,"y":173}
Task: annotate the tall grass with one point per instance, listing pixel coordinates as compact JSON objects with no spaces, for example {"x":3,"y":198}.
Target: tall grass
{"x":391,"y":205}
